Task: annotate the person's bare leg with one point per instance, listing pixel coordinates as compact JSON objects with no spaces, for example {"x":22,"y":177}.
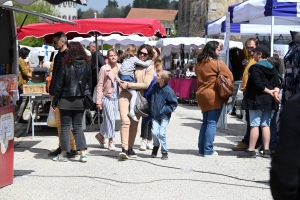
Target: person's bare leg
{"x":82,"y":152}
{"x":254,"y":132}
{"x":266,"y":136}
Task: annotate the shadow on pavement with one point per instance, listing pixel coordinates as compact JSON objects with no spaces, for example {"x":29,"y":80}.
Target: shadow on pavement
{"x":193,"y":125}
{"x":22,"y":172}
{"x":184,"y":151}
{"x":223,"y":145}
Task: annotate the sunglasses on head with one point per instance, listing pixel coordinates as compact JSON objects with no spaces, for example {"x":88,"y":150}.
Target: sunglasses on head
{"x":144,"y":54}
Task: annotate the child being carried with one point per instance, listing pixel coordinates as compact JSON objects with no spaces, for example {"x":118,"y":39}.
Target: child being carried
{"x":126,"y":73}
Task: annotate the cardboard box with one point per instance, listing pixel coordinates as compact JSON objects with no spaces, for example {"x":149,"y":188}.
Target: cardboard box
{"x":34,"y":89}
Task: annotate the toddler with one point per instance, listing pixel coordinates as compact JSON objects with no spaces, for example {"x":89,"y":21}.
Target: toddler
{"x":126,"y":73}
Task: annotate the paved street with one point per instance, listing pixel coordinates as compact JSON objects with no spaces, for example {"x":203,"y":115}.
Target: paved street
{"x":184,"y":176}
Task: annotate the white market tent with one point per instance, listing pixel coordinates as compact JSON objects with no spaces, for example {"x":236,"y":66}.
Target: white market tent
{"x":174,"y":44}
{"x":266,"y":12}
{"x":113,"y":39}
{"x":219,"y":27}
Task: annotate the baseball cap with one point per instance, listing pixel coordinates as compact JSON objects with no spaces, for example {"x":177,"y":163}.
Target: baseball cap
{"x":262,"y":49}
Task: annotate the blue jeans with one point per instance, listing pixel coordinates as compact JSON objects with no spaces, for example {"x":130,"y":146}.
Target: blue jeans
{"x":273,"y":130}
{"x":208,"y":131}
{"x":159,"y":134}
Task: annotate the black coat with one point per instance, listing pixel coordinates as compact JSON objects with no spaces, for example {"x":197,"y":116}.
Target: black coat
{"x":101,"y":62}
{"x":260,"y":78}
{"x":57,"y":67}
{"x":68,"y":81}
{"x":285,"y":165}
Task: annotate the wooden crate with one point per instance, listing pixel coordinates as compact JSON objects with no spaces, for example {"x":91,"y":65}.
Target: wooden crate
{"x":34,"y":89}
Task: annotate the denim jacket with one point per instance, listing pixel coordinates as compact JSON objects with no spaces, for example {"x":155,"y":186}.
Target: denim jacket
{"x":163,"y":102}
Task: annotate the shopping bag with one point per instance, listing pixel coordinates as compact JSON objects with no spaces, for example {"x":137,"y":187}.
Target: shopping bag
{"x":51,"y":118}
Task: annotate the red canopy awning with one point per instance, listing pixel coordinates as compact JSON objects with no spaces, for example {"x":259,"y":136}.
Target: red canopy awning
{"x":89,"y":27}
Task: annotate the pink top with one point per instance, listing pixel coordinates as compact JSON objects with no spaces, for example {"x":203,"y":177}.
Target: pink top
{"x":105,"y":85}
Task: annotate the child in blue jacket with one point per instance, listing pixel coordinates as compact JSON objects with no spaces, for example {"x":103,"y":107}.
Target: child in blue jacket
{"x":163,"y":102}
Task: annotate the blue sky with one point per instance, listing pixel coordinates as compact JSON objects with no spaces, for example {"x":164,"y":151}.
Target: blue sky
{"x":101,"y":4}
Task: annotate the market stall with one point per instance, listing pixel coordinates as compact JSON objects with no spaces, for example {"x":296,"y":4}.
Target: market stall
{"x":9,"y":82}
{"x":182,"y":82}
{"x":281,"y":13}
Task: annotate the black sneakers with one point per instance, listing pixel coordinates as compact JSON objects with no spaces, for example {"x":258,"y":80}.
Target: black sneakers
{"x":164,"y":156}
{"x":247,"y":154}
{"x":55,"y":153}
{"x":154,"y":152}
{"x":266,"y":154}
{"x":124,"y":154}
{"x":131,"y":154}
{"x":72,"y":154}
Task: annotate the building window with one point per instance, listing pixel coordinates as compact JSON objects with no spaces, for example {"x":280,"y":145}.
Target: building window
{"x":59,"y":16}
{"x":70,"y":3}
{"x":64,"y":17}
{"x":74,"y":4}
{"x":65,"y":4}
{"x":59,"y":5}
{"x":74,"y":17}
{"x":69,"y":17}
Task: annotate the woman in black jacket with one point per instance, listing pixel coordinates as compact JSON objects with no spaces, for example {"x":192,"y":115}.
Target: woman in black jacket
{"x":73,"y":84}
{"x":260,"y":99}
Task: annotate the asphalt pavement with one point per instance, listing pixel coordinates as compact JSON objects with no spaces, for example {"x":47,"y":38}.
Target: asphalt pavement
{"x":185,"y":175}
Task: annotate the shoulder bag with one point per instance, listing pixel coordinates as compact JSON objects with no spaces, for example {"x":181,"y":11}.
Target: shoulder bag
{"x":141,"y":105}
{"x":224,"y":85}
{"x":88,"y":100}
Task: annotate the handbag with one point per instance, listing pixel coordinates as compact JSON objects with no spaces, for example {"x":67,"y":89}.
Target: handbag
{"x":223,"y":85}
{"x":88,"y":99}
{"x":141,"y":105}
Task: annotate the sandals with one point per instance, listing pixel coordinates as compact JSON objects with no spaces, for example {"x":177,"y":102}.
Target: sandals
{"x":100,"y":139}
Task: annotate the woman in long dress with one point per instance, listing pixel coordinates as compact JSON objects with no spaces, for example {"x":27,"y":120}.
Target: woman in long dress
{"x":107,"y":99}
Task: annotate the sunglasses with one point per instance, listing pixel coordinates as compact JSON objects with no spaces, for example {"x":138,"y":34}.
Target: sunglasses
{"x":55,"y":42}
{"x":144,"y":54}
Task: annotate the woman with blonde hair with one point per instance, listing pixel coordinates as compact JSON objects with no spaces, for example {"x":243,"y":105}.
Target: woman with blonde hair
{"x":209,"y":100}
{"x":146,"y":125}
{"x":107,"y":99}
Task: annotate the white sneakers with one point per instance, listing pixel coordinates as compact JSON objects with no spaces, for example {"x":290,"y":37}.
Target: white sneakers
{"x":143,"y":146}
{"x":149,"y":145}
{"x":60,"y":158}
{"x":146,"y":145}
{"x":214,"y":154}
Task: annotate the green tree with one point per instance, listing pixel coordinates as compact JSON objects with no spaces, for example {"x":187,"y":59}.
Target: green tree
{"x":139,"y":4}
{"x":126,"y":10}
{"x":151,"y":4}
{"x":162,"y":4}
{"x":111,"y":12}
{"x":174,"y":5}
{"x":90,"y":13}
{"x":112,"y":3}
{"x":79,"y":13}
{"x":39,"y":6}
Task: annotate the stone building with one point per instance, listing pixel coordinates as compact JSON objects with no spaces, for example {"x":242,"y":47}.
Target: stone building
{"x":194,"y":14}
